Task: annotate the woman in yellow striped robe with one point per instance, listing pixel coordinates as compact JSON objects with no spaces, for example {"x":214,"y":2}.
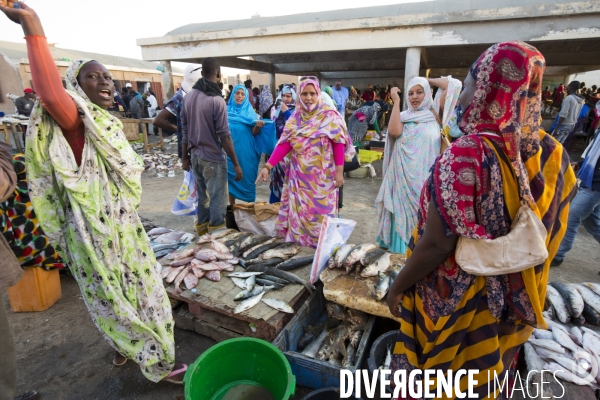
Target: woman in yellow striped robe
{"x":452,"y":320}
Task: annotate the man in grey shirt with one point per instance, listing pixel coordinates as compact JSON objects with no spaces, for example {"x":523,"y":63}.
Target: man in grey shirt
{"x":205,"y":136}
{"x":569,"y":112}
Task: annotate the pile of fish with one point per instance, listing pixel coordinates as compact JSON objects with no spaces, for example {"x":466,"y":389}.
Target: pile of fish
{"x":367,"y":260}
{"x":574,"y":350}
{"x":165,"y":241}
{"x":574,"y":302}
{"x":161,"y":164}
{"x":254,"y":286}
{"x":335,"y":340}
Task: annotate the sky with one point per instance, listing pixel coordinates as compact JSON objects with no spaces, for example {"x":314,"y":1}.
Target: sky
{"x":112,"y":27}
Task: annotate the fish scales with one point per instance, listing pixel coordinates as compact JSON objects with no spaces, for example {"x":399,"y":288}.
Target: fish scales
{"x":572,"y":298}
{"x":557,"y":301}
{"x":296,"y":262}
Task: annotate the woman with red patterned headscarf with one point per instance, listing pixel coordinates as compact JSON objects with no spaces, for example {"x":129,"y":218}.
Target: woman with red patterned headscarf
{"x":450,"y":319}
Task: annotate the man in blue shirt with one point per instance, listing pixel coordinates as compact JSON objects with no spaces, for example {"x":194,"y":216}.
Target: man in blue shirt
{"x":340,"y":96}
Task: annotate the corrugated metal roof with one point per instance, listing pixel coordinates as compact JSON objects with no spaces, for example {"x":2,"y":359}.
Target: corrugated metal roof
{"x":18,"y":51}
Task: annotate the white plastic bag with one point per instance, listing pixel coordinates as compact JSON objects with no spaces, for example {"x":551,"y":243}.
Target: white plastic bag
{"x":334,"y":233}
{"x":186,"y":202}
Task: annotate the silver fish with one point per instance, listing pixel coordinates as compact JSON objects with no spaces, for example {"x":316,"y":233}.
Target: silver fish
{"x":591,"y":343}
{"x":565,"y":341}
{"x":355,"y":338}
{"x":593,"y":286}
{"x":171,"y":237}
{"x":588,"y":330}
{"x":229,"y":236}
{"x":323,"y":352}
{"x":160,"y":247}
{"x":243,"y":274}
{"x":546,"y":353}
{"x":371,"y":256}
{"x":251,"y":282}
{"x":559,"y":371}
{"x":250,"y":250}
{"x":158,"y":231}
{"x":552,"y":325}
{"x":279,"y":305}
{"x":221,"y":233}
{"x":380,"y":265}
{"x":162,"y":253}
{"x":348,"y":361}
{"x":388,"y":357}
{"x":547,"y":344}
{"x":246,"y":294}
{"x":576,"y":332}
{"x":190,"y":281}
{"x":573,"y":299}
{"x":542,"y":334}
{"x":239,"y":282}
{"x":356,"y":254}
{"x":590,"y":298}
{"x":312,"y":349}
{"x":335,"y":361}
{"x":186,"y":238}
{"x":283,"y":251}
{"x":341,"y":254}
{"x":570,"y":364}
{"x":248,"y":303}
{"x":382,"y":287}
{"x":558,"y":303}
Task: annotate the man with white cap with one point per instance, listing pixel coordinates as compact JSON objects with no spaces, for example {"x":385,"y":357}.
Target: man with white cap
{"x":172,"y":108}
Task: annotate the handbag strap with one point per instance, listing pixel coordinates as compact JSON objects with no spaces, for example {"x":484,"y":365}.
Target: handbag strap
{"x":437,"y":118}
{"x":500,"y":152}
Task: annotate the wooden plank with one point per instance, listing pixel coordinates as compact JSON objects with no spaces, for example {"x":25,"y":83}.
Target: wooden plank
{"x":355,"y":292}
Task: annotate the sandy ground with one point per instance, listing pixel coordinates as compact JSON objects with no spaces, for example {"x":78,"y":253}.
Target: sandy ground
{"x":61,"y":353}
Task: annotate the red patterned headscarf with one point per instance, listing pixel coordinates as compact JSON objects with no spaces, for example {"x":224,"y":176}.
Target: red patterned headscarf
{"x":508,"y":101}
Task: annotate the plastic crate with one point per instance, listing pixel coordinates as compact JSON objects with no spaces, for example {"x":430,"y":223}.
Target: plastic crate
{"x":37,"y":290}
{"x":310,"y":372}
{"x":368,"y":156}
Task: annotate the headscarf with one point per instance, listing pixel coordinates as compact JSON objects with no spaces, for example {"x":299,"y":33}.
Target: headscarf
{"x":191,"y":75}
{"x":265,"y":100}
{"x":316,"y":120}
{"x":243,"y":113}
{"x":508,"y":102}
{"x":353,"y":92}
{"x":422,"y":113}
{"x":287,"y":88}
{"x":328,"y":97}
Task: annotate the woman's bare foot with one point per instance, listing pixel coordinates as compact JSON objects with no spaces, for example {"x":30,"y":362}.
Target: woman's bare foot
{"x":119,"y":359}
{"x":177,"y":374}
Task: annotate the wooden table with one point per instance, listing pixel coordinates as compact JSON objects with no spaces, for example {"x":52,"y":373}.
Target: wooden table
{"x":131,"y":131}
{"x":12,"y":124}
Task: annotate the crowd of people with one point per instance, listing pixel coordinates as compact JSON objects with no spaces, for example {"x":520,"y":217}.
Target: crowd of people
{"x":84,"y":182}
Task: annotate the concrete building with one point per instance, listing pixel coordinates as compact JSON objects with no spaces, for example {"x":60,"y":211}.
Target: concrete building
{"x":16,"y":75}
{"x":391,"y":44}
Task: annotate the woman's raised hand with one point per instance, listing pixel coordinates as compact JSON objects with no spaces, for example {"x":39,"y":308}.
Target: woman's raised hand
{"x":24,"y":16}
{"x":260,"y":123}
{"x":395,"y":93}
{"x":263,"y":175}
{"x":284,"y":107}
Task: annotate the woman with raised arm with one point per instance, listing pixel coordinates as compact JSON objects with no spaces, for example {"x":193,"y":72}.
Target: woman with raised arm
{"x":85,"y":185}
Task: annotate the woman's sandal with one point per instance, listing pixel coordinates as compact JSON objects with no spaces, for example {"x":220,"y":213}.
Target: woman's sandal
{"x":118,"y":364}
{"x":175,"y":373}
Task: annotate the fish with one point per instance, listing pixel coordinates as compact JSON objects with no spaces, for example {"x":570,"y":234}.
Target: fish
{"x":380,"y":265}
{"x":589,"y":297}
{"x":233,"y":261}
{"x":159,"y":247}
{"x":186,"y":238}
{"x":216,"y":266}
{"x":173,"y":274}
{"x":180,"y":262}
{"x":548,"y":314}
{"x":283,"y":251}
{"x":310,"y":333}
{"x":224,"y":266}
{"x":185,"y":253}
{"x":239,"y":282}
{"x":355,"y":338}
{"x":219,"y":247}
{"x":312,"y":349}
{"x":180,"y":278}
{"x":255,"y":251}
{"x":546,"y":353}
{"x":552,"y":325}
{"x":205,"y":255}
{"x":558,"y":303}
{"x":358,"y":252}
{"x":591,"y":316}
{"x":246,"y":294}
{"x":229,"y":237}
{"x":169,"y":238}
{"x":295,"y":262}
{"x":348,"y":361}
{"x":338,"y":337}
{"x":570,"y":364}
{"x":371,"y":256}
{"x":243,"y":274}
{"x":571,"y":296}
{"x":274,"y":279}
{"x":593,"y":286}
{"x":222,"y":233}
{"x":223,"y":256}
{"x":251,"y":282}
{"x":214,"y":276}
{"x":591,"y":332}
{"x":565,"y":340}
{"x":190,"y":281}
{"x":323,"y":352}
{"x":388,"y":358}
{"x":547,"y":344}
{"x":267,"y":263}
{"x":579,"y":320}
{"x":279,"y":305}
{"x":264,"y":282}
{"x":162,"y":253}
{"x":591,"y":343}
{"x":231,"y":243}
{"x":383,"y":286}
{"x":559,"y":371}
{"x":288,"y":276}
{"x":335,"y":311}
{"x":542,"y":334}
{"x":165,"y":272}
{"x":250,"y":242}
{"x":341,"y":254}
{"x":206,"y":238}
{"x":158,"y":231}
{"x":200,"y":273}
{"x":248,"y":303}
{"x":331,"y":262}
{"x":576,"y":332}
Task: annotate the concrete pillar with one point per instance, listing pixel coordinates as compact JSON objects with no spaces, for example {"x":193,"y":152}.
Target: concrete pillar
{"x":413,"y":64}
{"x":167,"y":80}
{"x":272,"y":84}
{"x":568,"y":78}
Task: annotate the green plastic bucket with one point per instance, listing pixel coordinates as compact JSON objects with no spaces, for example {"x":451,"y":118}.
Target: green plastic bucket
{"x":240,"y":361}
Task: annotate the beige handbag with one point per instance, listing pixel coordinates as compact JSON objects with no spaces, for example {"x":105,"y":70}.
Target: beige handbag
{"x":522,"y":248}
{"x":445,"y":142}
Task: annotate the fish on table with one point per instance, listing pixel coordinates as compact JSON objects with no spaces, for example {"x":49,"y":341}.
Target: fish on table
{"x":248,"y":303}
{"x":284,"y":251}
{"x":279,"y":305}
{"x":296,"y":262}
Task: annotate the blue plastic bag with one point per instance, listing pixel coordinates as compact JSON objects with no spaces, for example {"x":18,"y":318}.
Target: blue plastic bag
{"x":186,"y":202}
